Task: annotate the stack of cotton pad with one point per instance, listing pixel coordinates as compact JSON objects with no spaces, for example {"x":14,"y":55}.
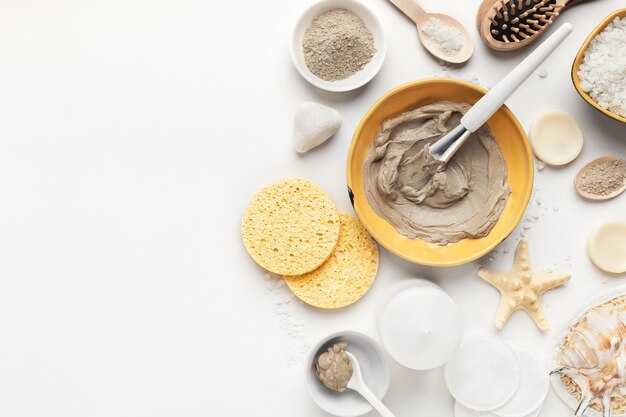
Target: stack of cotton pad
{"x":490,"y":378}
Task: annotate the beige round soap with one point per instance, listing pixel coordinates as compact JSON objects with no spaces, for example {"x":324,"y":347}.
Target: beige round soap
{"x":556,"y":138}
{"x":607,"y":247}
{"x":346,"y":275}
{"x":290,"y":227}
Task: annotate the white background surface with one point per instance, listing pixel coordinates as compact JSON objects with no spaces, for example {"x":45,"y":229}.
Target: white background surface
{"x":132,"y":134}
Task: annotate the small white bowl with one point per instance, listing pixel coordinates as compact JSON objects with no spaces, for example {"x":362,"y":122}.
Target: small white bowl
{"x":374,"y":366}
{"x":358,"y":79}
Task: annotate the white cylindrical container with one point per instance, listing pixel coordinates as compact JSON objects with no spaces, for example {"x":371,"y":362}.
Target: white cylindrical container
{"x":419,"y":324}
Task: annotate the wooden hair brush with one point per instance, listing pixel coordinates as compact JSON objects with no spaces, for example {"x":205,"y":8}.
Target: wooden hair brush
{"x":511,"y":24}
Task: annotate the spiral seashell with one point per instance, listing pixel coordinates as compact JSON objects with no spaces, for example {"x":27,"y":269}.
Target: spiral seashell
{"x":593,"y":355}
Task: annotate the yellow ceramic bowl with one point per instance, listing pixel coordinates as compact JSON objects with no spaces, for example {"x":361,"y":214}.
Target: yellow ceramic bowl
{"x":510,"y":137}
{"x":579,"y":59}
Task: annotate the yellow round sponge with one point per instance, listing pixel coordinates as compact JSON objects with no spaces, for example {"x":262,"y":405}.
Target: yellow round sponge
{"x":346,"y":275}
{"x":290,"y":227}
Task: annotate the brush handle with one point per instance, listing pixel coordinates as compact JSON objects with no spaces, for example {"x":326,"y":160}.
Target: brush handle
{"x":572,"y":2}
{"x":495,"y":98}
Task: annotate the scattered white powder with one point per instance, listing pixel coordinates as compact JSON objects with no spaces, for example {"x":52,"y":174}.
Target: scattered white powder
{"x":540,"y":165}
{"x":448,"y":71}
{"x":560,"y":266}
{"x":603,"y":70}
{"x":447,"y":38}
{"x":471,"y":78}
{"x":288,"y":318}
{"x":534,"y":212}
{"x":444,"y":71}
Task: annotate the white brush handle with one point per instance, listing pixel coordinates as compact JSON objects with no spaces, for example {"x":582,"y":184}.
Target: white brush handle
{"x":491,"y":102}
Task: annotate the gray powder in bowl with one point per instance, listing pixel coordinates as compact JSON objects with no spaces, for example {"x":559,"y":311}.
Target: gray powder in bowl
{"x":337,"y":44}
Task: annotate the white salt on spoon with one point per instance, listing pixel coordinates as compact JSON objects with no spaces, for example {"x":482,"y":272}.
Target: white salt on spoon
{"x":442,"y":35}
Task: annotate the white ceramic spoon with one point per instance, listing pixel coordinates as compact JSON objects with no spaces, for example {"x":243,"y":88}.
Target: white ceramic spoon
{"x":357,"y":384}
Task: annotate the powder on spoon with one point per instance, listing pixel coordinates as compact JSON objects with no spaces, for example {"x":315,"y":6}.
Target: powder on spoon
{"x":337,"y":45}
{"x":604,"y":177}
{"x":448,"y":39}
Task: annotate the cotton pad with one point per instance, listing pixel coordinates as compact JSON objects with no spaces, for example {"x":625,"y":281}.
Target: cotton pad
{"x":533,"y":388}
{"x":462,"y":411}
{"x":534,"y":413}
{"x":483,"y":374}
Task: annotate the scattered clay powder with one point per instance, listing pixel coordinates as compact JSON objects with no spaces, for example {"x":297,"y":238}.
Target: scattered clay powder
{"x":603,"y":70}
{"x":337,"y":44}
{"x":447,"y":38}
{"x":604,"y":177}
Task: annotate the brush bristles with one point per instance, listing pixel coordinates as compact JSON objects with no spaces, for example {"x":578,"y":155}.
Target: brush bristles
{"x":518,"y":20}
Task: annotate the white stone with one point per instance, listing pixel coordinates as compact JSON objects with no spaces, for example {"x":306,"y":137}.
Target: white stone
{"x":314,"y":124}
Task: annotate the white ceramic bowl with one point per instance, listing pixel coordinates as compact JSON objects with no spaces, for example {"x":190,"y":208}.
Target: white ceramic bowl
{"x":361,"y":77}
{"x":374,"y":367}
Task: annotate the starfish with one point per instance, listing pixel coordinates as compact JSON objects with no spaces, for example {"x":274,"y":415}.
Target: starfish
{"x":521,"y":288}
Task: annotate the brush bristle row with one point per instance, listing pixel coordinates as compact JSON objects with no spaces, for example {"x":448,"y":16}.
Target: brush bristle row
{"x":518,"y":20}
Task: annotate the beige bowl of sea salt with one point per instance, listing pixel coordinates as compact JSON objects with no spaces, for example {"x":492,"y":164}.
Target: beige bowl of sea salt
{"x":360,"y":77}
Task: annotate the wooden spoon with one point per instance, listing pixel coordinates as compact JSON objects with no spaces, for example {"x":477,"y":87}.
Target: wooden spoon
{"x":506,"y":25}
{"x":597,"y":197}
{"x":419,"y":16}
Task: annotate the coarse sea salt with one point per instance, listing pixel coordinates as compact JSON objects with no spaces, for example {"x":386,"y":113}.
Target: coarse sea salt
{"x":447,"y":38}
{"x":603,"y":69}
